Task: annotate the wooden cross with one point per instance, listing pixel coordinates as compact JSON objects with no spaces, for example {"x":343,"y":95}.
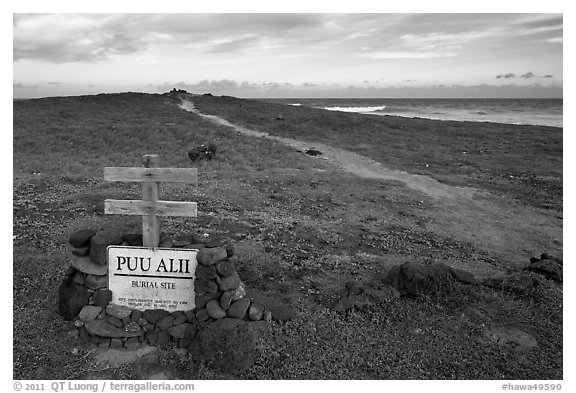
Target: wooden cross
{"x":150,"y":207}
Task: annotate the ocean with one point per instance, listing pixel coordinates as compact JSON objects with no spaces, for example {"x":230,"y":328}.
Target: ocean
{"x":545,"y":112}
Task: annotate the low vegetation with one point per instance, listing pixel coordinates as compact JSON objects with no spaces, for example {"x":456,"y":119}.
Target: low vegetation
{"x":302,"y":229}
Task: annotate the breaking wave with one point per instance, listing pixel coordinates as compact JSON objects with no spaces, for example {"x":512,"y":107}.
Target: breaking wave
{"x":355,"y":109}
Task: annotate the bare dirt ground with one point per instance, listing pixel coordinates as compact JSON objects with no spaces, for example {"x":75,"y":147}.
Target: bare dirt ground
{"x":476,"y":216}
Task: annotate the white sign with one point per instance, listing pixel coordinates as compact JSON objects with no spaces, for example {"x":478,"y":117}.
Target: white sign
{"x":152,"y":278}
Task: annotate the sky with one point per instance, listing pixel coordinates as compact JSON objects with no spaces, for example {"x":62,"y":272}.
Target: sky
{"x":290,"y":54}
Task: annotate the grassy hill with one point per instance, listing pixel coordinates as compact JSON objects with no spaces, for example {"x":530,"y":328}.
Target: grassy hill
{"x":302,"y":229}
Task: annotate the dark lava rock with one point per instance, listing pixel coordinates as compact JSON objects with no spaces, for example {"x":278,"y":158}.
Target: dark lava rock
{"x":202,"y":300}
{"x":238,"y":308}
{"x":230,"y":282}
{"x":85,"y":265}
{"x":210,"y":256}
{"x":205,"y":272}
{"x":132,"y":239}
{"x":81,"y":238}
{"x":313,"y":152}
{"x":132,"y":343}
{"x":102,"y":297}
{"x":71,"y":298}
{"x":214,"y":310}
{"x":202,"y":152}
{"x":80,"y":252}
{"x":101,"y":327}
{"x":179,"y":317}
{"x":412,"y":279}
{"x":165,"y":322}
{"x":225,"y":268}
{"x":229,"y":345}
{"x":356,"y":295}
{"x":164,"y":339}
{"x":178,"y":331}
{"x":154,"y":316}
{"x":99,"y":243}
{"x":205,"y":286}
{"x":548,"y":266}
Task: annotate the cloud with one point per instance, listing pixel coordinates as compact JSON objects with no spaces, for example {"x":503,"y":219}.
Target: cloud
{"x":24,"y":86}
{"x":72,"y":38}
{"x":527,"y":75}
{"x":506,"y":76}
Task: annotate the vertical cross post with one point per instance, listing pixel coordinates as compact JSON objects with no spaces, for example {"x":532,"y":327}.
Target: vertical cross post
{"x":151,"y":193}
{"x":151,"y":207}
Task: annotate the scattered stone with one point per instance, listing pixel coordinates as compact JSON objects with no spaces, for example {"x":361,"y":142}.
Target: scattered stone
{"x":153,"y":316}
{"x":256,"y":312}
{"x":118,"y":311}
{"x":238,"y":308}
{"x":230,"y":282}
{"x":463,"y":276}
{"x":101,"y":328}
{"x":89,"y":313}
{"x":178,"y":331}
{"x":80,"y":252}
{"x":205,"y":272}
{"x":214,"y":310}
{"x":99,"y":243}
{"x":81,"y":238}
{"x":96,"y":282}
{"x":210,"y":256}
{"x":267,"y":315}
{"x":102,"y":297}
{"x":202,"y":152}
{"x":412,"y":279}
{"x":165,"y":322}
{"x":71,"y":298}
{"x":225,"y":268}
{"x":548,"y":266}
{"x":85,"y":265}
{"x":229,"y":345}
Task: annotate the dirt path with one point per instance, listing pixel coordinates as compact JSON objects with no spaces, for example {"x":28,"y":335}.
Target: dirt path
{"x":511,"y":231}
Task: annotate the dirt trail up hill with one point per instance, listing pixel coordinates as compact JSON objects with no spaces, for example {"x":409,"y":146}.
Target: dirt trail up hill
{"x":511,"y":231}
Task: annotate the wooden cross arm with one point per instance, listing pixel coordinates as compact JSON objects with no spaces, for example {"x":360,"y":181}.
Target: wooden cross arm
{"x":150,"y":208}
{"x":164,"y":175}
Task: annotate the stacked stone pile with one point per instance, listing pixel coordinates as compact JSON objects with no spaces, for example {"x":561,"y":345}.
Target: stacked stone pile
{"x":219,"y":295}
{"x":219,"y":291}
